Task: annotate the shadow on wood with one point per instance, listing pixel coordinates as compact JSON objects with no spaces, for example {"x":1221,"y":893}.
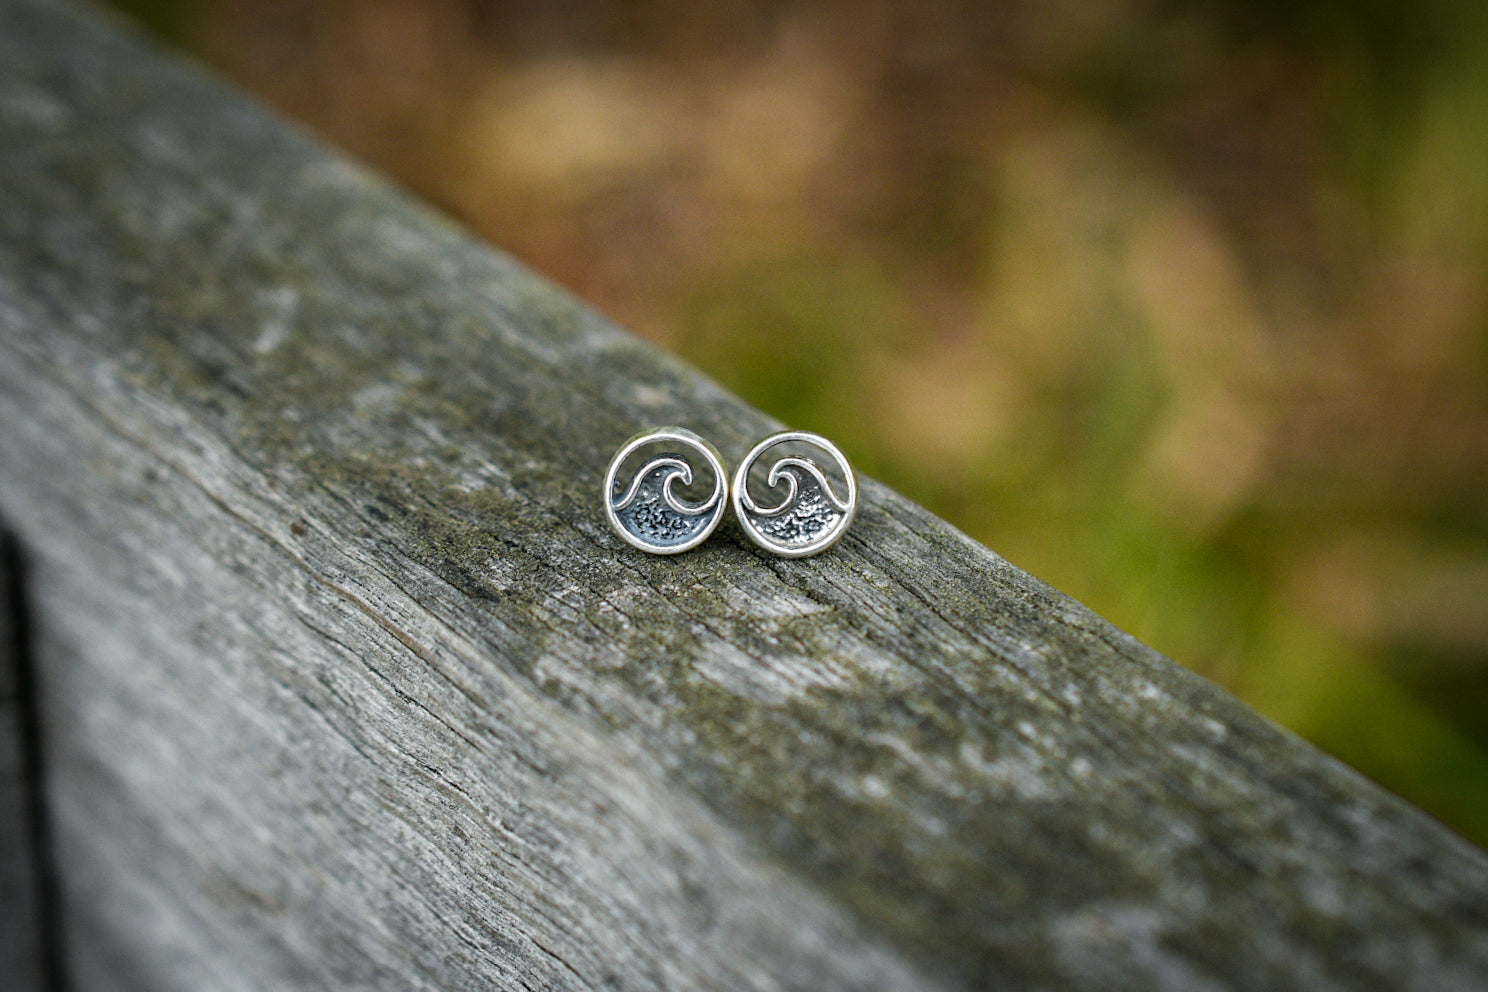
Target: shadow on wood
{"x":347,"y":683}
{"x":29,"y":951}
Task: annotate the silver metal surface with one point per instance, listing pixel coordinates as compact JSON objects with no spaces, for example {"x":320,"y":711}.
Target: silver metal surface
{"x":649,"y":514}
{"x":811,"y":517}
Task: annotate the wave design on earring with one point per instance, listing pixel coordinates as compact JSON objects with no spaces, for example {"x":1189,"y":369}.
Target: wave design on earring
{"x":811,"y":517}
{"x":650,"y":515}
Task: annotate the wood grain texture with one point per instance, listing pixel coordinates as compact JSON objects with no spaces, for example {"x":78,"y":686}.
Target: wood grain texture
{"x":347,"y":685}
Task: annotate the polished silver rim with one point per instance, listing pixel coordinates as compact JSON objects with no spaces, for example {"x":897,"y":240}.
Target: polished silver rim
{"x":811,"y":516}
{"x":649,"y":514}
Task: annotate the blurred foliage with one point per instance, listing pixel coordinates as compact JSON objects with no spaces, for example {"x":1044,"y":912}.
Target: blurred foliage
{"x":1184,"y":308}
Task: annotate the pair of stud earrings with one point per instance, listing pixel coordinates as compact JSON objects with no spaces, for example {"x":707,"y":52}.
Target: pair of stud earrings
{"x":651,"y":515}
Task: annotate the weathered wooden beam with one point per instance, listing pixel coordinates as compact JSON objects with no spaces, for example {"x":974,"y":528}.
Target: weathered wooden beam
{"x":347,"y":685}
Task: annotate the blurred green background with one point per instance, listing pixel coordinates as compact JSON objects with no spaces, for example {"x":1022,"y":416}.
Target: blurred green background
{"x":1181,"y":307}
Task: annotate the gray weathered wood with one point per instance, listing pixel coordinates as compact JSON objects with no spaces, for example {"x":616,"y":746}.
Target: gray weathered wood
{"x":348,"y":686}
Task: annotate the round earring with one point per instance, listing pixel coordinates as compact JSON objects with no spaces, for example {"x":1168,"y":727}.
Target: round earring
{"x":649,"y":514}
{"x":811,"y":517}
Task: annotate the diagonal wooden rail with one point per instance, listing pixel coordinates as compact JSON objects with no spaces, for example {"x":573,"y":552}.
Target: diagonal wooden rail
{"x":344,"y":683}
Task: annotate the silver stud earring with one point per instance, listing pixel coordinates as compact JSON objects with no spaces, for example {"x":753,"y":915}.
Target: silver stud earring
{"x":649,"y":514}
{"x":811,"y":517}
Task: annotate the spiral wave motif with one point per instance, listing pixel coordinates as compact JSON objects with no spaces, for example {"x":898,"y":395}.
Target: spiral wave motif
{"x":648,"y":513}
{"x":811,"y":516}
